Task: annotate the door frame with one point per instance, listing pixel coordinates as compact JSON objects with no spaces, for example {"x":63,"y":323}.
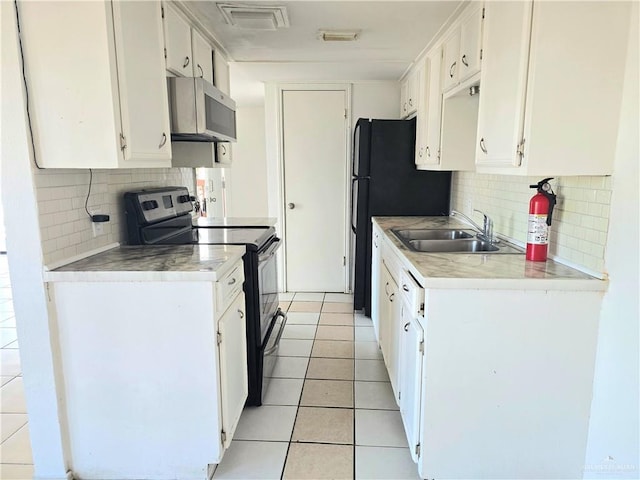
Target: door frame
{"x":280,"y":88}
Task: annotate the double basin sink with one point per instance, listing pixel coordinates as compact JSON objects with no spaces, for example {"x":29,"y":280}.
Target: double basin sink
{"x":449,"y":241}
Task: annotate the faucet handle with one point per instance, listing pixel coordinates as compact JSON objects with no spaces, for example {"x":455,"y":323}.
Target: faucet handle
{"x":488,"y":225}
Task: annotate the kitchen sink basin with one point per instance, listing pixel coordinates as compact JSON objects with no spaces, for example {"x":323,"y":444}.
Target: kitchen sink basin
{"x":429,"y":234}
{"x":448,"y":246}
{"x":450,"y":241}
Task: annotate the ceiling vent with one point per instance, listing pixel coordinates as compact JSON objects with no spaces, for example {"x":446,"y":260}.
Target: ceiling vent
{"x":254,"y":17}
{"x":338,"y":35}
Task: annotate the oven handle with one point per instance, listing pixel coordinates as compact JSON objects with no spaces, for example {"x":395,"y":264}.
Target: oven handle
{"x":270,"y":249}
{"x":279,"y":313}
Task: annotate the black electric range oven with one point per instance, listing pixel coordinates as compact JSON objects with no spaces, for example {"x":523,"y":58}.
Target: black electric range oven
{"x":162,"y":216}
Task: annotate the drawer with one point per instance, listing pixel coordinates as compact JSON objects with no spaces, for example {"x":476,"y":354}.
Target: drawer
{"x":229,"y":286}
{"x":412,"y":293}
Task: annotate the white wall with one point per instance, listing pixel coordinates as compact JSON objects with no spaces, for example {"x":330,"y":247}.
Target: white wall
{"x":613,"y":447}
{"x":247,"y":178}
{"x":379,"y":100}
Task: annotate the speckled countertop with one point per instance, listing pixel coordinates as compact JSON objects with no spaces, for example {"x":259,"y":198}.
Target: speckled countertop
{"x":152,"y":263}
{"x":480,"y":270}
{"x":234,"y":222}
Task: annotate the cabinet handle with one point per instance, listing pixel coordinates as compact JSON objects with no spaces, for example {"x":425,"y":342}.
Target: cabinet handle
{"x":464,"y":60}
{"x":391,"y":297}
{"x":482,"y":147}
{"x":406,"y":327}
{"x":428,"y":151}
{"x":375,"y":244}
{"x":186,"y":62}
{"x":232,"y":281}
{"x":224,"y":149}
{"x":163,"y":141}
{"x":451,"y":69}
{"x":405,"y":107}
{"x":405,"y":288}
{"x":420,"y":153}
{"x":411,"y":102}
{"x":201,"y":71}
{"x":241,"y":313}
{"x":385,"y":289}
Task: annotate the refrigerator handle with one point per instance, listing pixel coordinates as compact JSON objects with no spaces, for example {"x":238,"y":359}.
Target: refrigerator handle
{"x":354,"y":150}
{"x":353,"y":204}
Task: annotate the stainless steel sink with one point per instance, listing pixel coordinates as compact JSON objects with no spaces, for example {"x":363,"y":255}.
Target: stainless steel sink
{"x":427,"y":234}
{"x":452,"y":246}
{"x":450,"y":241}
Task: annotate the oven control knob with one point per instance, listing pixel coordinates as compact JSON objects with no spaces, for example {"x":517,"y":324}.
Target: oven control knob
{"x":149,"y":205}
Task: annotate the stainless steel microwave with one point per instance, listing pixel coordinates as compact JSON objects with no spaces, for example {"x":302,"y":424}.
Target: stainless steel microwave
{"x":200,"y":112}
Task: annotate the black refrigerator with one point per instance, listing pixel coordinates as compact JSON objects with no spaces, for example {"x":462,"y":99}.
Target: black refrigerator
{"x":385,"y":181}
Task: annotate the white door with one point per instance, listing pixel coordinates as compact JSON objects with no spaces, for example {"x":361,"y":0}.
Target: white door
{"x":233,"y":367}
{"x":315,"y":156}
{"x":412,"y":351}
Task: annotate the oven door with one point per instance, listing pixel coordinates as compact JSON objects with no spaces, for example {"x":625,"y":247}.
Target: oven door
{"x":268,"y":285}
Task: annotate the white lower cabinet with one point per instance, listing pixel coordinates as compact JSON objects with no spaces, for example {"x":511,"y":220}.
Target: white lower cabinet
{"x":153,"y":382}
{"x":488,"y":384}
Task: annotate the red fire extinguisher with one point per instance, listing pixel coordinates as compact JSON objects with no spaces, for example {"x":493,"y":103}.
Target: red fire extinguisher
{"x":540,"y":210}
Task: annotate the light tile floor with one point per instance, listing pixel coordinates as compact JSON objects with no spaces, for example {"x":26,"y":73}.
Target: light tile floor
{"x":329,"y":411}
{"x":15,"y":447}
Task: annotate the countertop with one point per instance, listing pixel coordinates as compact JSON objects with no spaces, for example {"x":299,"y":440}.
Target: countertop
{"x":481,"y":270}
{"x":151,"y":263}
{"x":234,"y":222}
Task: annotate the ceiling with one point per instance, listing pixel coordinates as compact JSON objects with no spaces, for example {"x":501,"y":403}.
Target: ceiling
{"x":392,"y":35}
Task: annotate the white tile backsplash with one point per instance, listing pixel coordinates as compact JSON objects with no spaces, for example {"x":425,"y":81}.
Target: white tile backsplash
{"x":580,"y":219}
{"x":64,"y":224}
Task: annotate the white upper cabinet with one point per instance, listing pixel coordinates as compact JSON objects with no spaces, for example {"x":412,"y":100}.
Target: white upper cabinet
{"x":221,"y":73}
{"x":141,"y":81}
{"x":97,"y":84}
{"x":177,"y":37}
{"x":471,"y":42}
{"x":410,"y":92}
{"x":451,"y":60}
{"x":551,"y":87}
{"x":188,"y":53}
{"x":202,"y":57}
{"x":462,"y":47}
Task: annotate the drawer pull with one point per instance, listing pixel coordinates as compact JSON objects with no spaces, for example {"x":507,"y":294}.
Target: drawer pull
{"x":232,"y":281}
{"x":404,"y":287}
{"x":241,"y":313}
{"x":406,"y":327}
{"x":391,"y":297}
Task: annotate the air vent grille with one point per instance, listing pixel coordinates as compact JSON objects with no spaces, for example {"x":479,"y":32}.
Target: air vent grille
{"x":254,"y":17}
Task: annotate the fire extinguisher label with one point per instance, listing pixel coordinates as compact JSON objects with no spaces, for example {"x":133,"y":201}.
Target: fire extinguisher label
{"x":538,"y":232}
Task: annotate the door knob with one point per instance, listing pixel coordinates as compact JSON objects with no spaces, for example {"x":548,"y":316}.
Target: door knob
{"x":291,"y":206}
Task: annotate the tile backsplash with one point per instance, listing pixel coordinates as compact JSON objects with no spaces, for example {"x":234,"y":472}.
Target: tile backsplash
{"x":65,"y":226}
{"x":580,"y":218}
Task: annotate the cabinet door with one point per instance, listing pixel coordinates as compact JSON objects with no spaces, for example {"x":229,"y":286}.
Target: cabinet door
{"x":389,"y":294}
{"x":377,"y":292}
{"x":451,"y":66}
{"x":177,"y":37}
{"x":423,"y":112}
{"x":404,"y":98}
{"x":202,"y":57}
{"x":434,"y":108}
{"x":412,"y":352}
{"x":220,"y":72}
{"x":412,"y":90}
{"x":470,"y":44}
{"x":144,"y":109}
{"x":395,"y":327}
{"x":505,"y":43}
{"x":232,"y":350}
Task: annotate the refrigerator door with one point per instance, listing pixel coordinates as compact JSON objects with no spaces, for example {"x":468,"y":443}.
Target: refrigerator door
{"x":361,"y":148}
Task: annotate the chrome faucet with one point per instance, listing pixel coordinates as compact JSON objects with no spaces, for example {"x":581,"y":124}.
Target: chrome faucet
{"x":487,"y":228}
